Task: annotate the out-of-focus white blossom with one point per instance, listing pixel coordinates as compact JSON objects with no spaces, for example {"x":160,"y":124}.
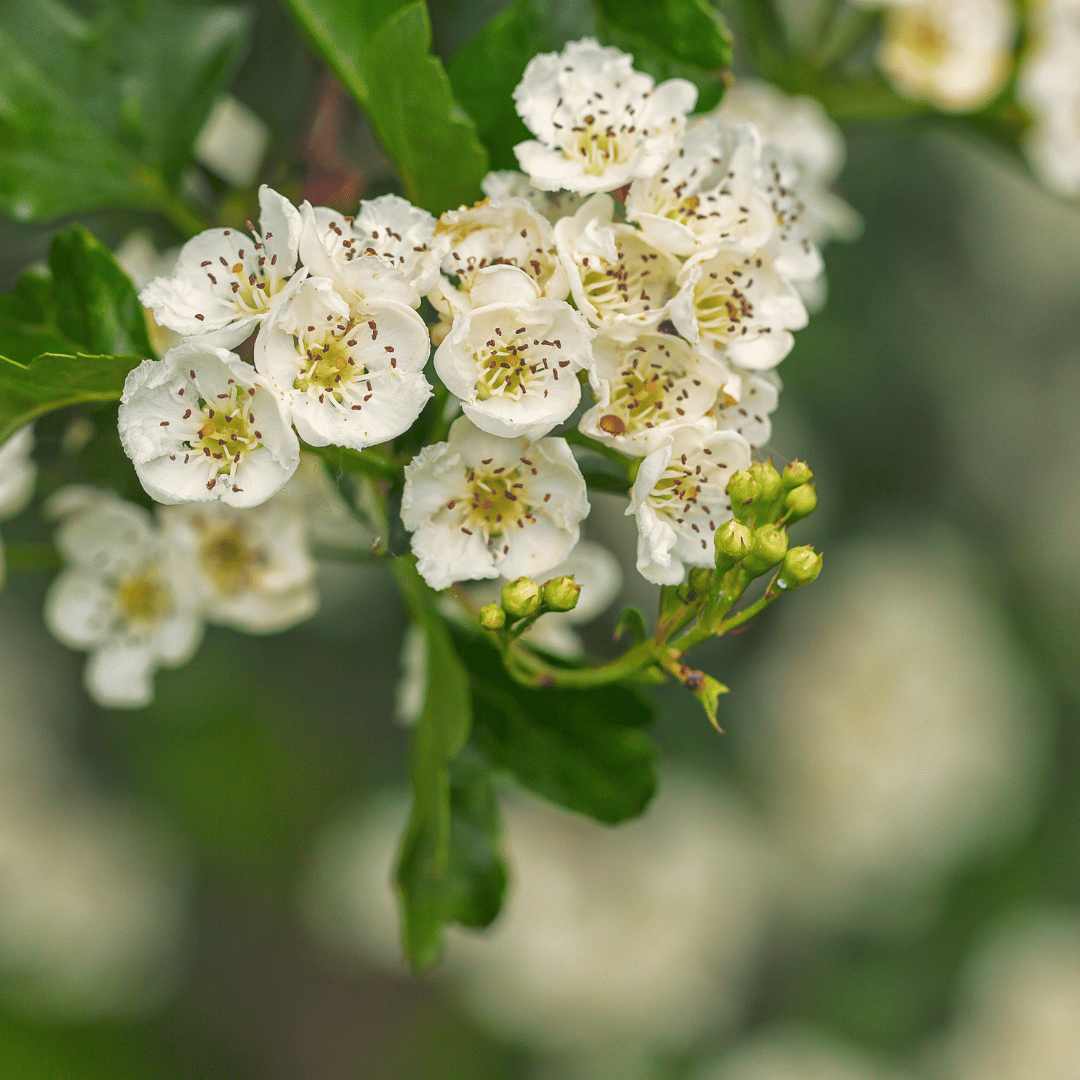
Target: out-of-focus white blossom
{"x":348,"y":375}
{"x":1019,"y":1016}
{"x":955,"y":54}
{"x":510,"y":184}
{"x":619,"y":280}
{"x":233,"y":141}
{"x":514,"y":362}
{"x":737,"y":307}
{"x":479,"y":506}
{"x":201,"y":425}
{"x":330,"y":521}
{"x":646,"y":387}
{"x":17,"y":475}
{"x":707,"y":195}
{"x":795,"y":1053}
{"x":902,"y":731}
{"x":680,"y":499}
{"x":598,"y":123}
{"x":252,"y":567}
{"x":226,"y":282}
{"x":124,"y":597}
{"x":1049,"y":88}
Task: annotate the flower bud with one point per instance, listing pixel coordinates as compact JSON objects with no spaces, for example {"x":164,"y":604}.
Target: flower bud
{"x":492,"y":617}
{"x":561,"y":594}
{"x":733,"y":543}
{"x":768,"y":480}
{"x":798,"y":472}
{"x":801,"y":565}
{"x":699,"y":579}
{"x":521,"y":598}
{"x":742,"y":489}
{"x":770,"y":544}
{"x":800,"y":502}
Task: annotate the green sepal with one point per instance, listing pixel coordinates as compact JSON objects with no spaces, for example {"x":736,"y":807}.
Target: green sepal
{"x":632,"y":622}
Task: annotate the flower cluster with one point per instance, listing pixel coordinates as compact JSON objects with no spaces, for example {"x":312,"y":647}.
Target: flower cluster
{"x":658,"y":259}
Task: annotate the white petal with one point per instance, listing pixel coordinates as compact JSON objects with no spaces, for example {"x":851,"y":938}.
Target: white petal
{"x":120,"y":676}
{"x":79,"y":609}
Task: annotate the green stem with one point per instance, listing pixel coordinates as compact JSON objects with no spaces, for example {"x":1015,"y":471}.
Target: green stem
{"x":530,"y":670}
{"x":373,"y":462}
{"x":186,"y":221}
{"x":628,"y":464}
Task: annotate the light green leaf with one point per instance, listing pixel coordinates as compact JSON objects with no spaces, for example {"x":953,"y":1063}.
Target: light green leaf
{"x":708,"y":691}
{"x":381,"y":49}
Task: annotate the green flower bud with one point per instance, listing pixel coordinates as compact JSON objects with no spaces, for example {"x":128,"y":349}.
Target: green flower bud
{"x":492,"y":617}
{"x":699,"y":579}
{"x":733,"y":543}
{"x":770,"y":544}
{"x":801,"y":565}
{"x":521,"y":597}
{"x":798,"y":472}
{"x":561,"y":594}
{"x":800,"y":502}
{"x":768,"y":480}
{"x":742,"y":489}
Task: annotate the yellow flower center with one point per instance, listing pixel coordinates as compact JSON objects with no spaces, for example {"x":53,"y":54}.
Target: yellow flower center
{"x":229,"y":560}
{"x":143,"y":598}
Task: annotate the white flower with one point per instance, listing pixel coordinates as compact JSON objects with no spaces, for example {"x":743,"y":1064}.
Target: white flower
{"x":348,"y":375}
{"x":680,"y":499}
{"x":620,"y":281}
{"x":737,"y":308}
{"x":507,"y":184}
{"x":598,"y":122}
{"x":200,"y":425}
{"x":647,"y":386}
{"x":1049,"y":88}
{"x":707,"y":194}
{"x":123,"y":598}
{"x":955,"y":54}
{"x":253,"y":569}
{"x":363,"y":266}
{"x":225,"y":282}
{"x":330,"y":519}
{"x":479,"y":506}
{"x":748,"y":412}
{"x":17,"y":475}
{"x":514,"y":364}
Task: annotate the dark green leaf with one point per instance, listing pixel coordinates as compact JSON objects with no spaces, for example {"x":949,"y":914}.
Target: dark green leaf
{"x":690,"y":31}
{"x":102,"y":111}
{"x":631,"y":622}
{"x":381,"y":50}
{"x":581,"y":749}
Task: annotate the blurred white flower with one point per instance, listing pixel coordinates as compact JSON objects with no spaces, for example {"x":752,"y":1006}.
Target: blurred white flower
{"x":252,"y":567}
{"x":142,"y":262}
{"x":680,"y":499}
{"x":349,"y":375}
{"x":509,"y":184}
{"x":955,"y":54}
{"x":479,"y":506}
{"x":18,"y":472}
{"x":328,"y":517}
{"x":797,"y":1054}
{"x":200,"y":425}
{"x":233,"y":141}
{"x":645,"y":387}
{"x":620,"y":281}
{"x":598,"y":123}
{"x":514,"y":362}
{"x":1049,"y":88}
{"x":225,"y":282}
{"x":901,"y":729}
{"x":1019,"y":1016}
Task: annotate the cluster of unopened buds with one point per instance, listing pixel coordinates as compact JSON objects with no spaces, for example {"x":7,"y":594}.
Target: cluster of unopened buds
{"x":659,"y":260}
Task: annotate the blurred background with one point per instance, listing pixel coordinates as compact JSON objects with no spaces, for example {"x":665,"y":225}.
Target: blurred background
{"x":875,"y":872}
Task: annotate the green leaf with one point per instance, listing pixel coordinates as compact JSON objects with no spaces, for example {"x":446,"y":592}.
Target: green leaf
{"x":581,"y":749}
{"x":381,"y":50}
{"x":708,"y":693}
{"x":631,"y":622}
{"x":429,"y":881}
{"x":690,"y":31}
{"x":102,"y":111}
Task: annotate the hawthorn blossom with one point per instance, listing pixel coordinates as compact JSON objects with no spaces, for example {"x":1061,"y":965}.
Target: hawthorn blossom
{"x":17,"y":475}
{"x":598,"y":123}
{"x":1049,"y":89}
{"x":707,"y":194}
{"x":620,"y":281}
{"x":505,"y":358}
{"x":480,"y":506}
{"x":680,"y":499}
{"x":253,"y":570}
{"x":748,"y":413}
{"x":955,"y":54}
{"x":646,"y":387}
{"x":123,"y":597}
{"x":201,"y":425}
{"x":552,"y":205}
{"x":737,"y":307}
{"x":225,"y":282}
{"x":350,"y":376}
